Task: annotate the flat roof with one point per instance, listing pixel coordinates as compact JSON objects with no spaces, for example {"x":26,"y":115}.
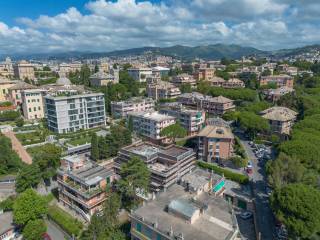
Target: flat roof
{"x":215,"y":223}
{"x":155,"y":116}
{"x":74,"y":96}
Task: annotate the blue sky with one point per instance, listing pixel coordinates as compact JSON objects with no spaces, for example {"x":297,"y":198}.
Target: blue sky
{"x":101,"y":25}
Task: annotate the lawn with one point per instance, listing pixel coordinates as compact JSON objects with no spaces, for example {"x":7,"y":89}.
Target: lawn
{"x":81,"y":140}
{"x":31,"y":138}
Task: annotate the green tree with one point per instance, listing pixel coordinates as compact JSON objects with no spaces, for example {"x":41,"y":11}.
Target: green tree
{"x":186,"y":88}
{"x":9,"y":160}
{"x":96,"y":68}
{"x":19,"y":122}
{"x":34,"y":229}
{"x":134,"y":175}
{"x":28,"y":206}
{"x":94,"y":147}
{"x":298,"y":207}
{"x":130,"y":123}
{"x":253,"y":123}
{"x":28,"y":177}
{"x":174,"y":131}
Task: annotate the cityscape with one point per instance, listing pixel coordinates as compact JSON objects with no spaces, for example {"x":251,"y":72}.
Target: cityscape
{"x":159,"y":120}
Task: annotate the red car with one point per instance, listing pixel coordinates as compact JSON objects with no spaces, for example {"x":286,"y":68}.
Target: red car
{"x":46,"y":236}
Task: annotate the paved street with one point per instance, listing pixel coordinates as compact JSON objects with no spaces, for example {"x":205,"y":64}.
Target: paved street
{"x":265,"y":220}
{"x":54,"y":232}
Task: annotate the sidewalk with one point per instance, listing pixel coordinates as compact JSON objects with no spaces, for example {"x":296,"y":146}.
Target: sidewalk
{"x":18,"y":148}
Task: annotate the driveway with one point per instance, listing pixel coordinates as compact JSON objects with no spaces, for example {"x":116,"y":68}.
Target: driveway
{"x":265,"y":220}
{"x":54,"y":232}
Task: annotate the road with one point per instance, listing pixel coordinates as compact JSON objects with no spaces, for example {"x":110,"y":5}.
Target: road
{"x":265,"y":220}
{"x":54,"y":232}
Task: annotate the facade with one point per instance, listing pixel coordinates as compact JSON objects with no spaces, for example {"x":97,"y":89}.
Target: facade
{"x":204,"y":74}
{"x":192,"y":120}
{"x":15,"y":92}
{"x":214,"y":105}
{"x":5,"y":84}
{"x":184,"y":79}
{"x":231,"y":83}
{"x":182,"y":213}
{"x":70,"y":67}
{"x":281,"y":119}
{"x":215,"y":143}
{"x":6,"y":68}
{"x":162,"y":90}
{"x":275,"y":94}
{"x":137,"y":104}
{"x":281,"y":80}
{"x":24,"y":70}
{"x":162,"y":71}
{"x":82,"y":185}
{"x":32,"y":104}
{"x":150,"y":125}
{"x":103,"y":79}
{"x":69,"y":113}
{"x":166,"y":164}
{"x":140,"y":74}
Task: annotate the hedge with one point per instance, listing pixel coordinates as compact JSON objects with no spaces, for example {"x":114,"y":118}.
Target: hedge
{"x":240,"y":178}
{"x":68,"y":223}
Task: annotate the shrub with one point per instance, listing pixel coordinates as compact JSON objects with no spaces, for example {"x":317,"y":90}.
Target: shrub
{"x":65,"y":221}
{"x":240,"y":178}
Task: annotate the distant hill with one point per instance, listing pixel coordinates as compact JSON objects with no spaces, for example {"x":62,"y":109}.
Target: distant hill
{"x":295,"y":51}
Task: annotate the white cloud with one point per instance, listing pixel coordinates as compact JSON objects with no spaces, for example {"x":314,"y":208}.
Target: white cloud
{"x":121,"y":24}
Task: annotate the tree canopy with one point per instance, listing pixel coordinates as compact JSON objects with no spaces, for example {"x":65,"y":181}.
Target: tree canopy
{"x":9,"y":160}
{"x":34,"y":229}
{"x":174,"y":131}
{"x":298,"y":207}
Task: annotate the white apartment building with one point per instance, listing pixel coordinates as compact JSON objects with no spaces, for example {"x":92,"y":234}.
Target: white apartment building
{"x":137,"y":104}
{"x":69,"y":113}
{"x":150,"y":125}
{"x":140,"y":74}
{"x":32,"y":103}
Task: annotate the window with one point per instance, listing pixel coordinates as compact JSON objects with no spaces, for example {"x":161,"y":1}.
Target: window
{"x":39,"y":108}
{"x":158,"y":236}
{"x":30,"y":110}
{"x":138,"y":227}
{"x":34,"y":108}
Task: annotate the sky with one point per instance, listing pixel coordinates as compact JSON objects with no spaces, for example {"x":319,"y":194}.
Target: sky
{"x":42,"y":26}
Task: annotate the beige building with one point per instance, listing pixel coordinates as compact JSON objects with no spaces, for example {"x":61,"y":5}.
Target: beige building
{"x":204,"y":74}
{"x":32,"y":104}
{"x":231,"y":83}
{"x":5,"y":84}
{"x":184,"y":79}
{"x":280,"y":80}
{"x":281,"y":119}
{"x":162,"y":90}
{"x":101,"y":78}
{"x":24,"y":70}
{"x":15,"y":91}
{"x":6,"y":68}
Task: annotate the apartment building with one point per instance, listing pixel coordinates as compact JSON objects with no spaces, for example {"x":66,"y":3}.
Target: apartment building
{"x":192,"y":120}
{"x":14,"y":92}
{"x":186,"y":211}
{"x":166,"y":164}
{"x":184,"y":79}
{"x":275,"y":94}
{"x":150,"y":125}
{"x":100,"y":79}
{"x":140,"y":74}
{"x":231,"y":83}
{"x":281,"y":119}
{"x":70,"y":67}
{"x":162,"y":90}
{"x":135,"y":104}
{"x":215,"y":143}
{"x":6,"y":68}
{"x":5,"y":84}
{"x":214,"y":105}
{"x":32,"y":104}
{"x":82,"y":185}
{"x":162,"y":71}
{"x":24,"y":70}
{"x":69,"y":113}
{"x":204,"y":74}
{"x":281,"y":80}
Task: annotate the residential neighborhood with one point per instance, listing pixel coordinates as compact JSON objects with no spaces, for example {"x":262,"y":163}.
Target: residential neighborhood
{"x":176,"y":123}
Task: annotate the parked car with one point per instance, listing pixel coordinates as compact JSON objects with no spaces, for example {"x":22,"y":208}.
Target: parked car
{"x":249,"y":167}
{"x":46,"y":236}
{"x":246,"y":215}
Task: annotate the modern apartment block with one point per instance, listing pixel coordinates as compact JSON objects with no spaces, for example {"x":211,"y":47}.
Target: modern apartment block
{"x":69,"y":113}
{"x":184,"y":79}
{"x":150,"y":124}
{"x":186,"y":211}
{"x":280,"y":80}
{"x":140,"y":74}
{"x":32,"y":104}
{"x":215,"y":142}
{"x":281,"y":119}
{"x":166,"y":164}
{"x":162,"y":90}
{"x":24,"y":70}
{"x":192,"y":120}
{"x":135,"y":104}
{"x":82,"y":185}
{"x":214,"y":105}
